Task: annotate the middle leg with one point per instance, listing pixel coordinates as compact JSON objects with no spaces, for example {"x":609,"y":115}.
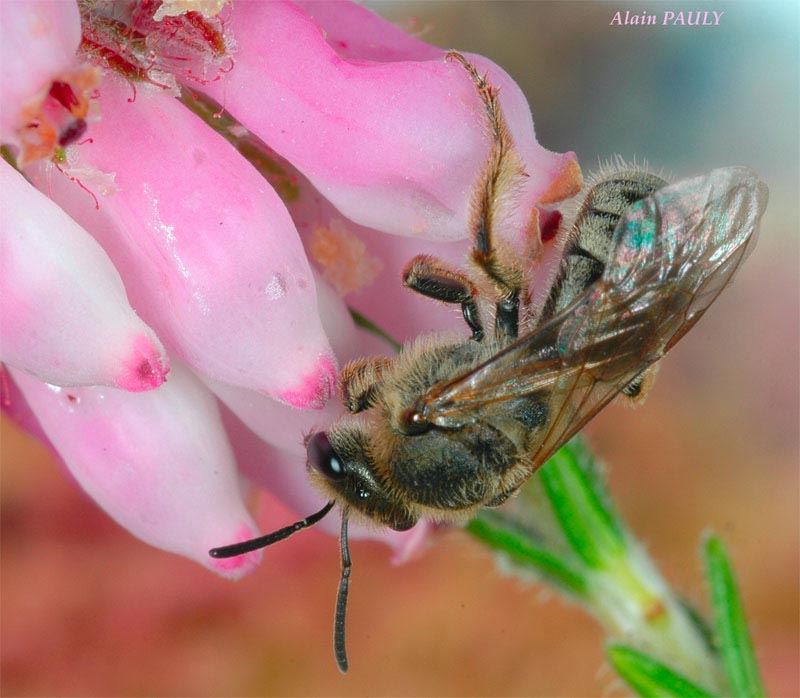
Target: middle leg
{"x":432,"y":278}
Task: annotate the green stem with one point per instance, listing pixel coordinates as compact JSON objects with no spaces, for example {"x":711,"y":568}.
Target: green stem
{"x":565,"y":527}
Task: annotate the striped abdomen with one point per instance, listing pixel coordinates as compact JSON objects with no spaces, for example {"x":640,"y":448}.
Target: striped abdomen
{"x":589,"y":247}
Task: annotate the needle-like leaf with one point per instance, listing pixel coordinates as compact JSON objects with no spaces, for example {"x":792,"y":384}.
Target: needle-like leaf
{"x":521,"y":551}
{"x":733,"y":637}
{"x":649,"y":677}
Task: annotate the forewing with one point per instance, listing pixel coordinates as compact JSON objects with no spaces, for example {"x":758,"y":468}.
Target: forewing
{"x":673,"y":253}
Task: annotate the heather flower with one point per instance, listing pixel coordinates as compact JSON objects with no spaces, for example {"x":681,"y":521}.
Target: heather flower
{"x":151,"y":235}
{"x":56,"y":281}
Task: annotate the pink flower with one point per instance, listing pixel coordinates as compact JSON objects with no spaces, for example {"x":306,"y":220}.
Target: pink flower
{"x":151,"y":236}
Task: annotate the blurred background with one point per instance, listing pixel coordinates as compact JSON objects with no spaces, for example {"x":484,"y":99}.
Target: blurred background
{"x":89,"y":610}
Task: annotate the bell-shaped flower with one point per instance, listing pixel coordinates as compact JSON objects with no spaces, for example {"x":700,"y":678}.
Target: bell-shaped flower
{"x":158,"y":462}
{"x":375,"y":132}
{"x":43,"y":89}
{"x":63,"y":310}
{"x":209,"y":255}
{"x":395,"y":145}
{"x":286,"y":429}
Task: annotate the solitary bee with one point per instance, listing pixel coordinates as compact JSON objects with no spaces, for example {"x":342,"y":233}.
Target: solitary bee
{"x":453,"y":424}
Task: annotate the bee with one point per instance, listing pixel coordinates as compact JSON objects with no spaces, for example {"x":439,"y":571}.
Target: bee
{"x":453,"y":424}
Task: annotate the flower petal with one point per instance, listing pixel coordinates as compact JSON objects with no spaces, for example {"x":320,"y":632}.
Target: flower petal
{"x":356,"y":33}
{"x":38,"y":40}
{"x":396,"y":146}
{"x":63,"y":309}
{"x":159,"y":463}
{"x":280,"y":425}
{"x":382,"y":299}
{"x":208,"y":253}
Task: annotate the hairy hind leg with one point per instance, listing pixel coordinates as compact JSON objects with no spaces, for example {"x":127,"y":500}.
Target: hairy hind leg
{"x":502,"y":171}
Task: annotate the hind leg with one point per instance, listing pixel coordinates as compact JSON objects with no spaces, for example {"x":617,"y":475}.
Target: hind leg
{"x":503,"y":169}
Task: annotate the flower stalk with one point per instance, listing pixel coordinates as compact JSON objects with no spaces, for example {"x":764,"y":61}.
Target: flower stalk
{"x":564,"y":529}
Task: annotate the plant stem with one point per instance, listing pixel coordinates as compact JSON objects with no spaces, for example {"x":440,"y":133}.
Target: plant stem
{"x":576,"y":541}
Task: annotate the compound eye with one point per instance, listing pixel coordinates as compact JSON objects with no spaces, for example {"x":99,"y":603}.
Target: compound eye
{"x":323,"y":458}
{"x":403,"y":525}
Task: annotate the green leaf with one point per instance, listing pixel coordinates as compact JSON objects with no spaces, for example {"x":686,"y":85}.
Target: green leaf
{"x":733,"y":637}
{"x":649,"y":677}
{"x":589,"y":525}
{"x":520,"y":550}
{"x":591,"y":465}
{"x":366,"y":324}
{"x":701,"y":625}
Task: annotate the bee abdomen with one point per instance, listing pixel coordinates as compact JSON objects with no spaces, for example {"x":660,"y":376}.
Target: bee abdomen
{"x":589,"y":248}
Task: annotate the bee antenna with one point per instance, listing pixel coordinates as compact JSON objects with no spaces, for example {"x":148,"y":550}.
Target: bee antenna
{"x":247,"y":546}
{"x":339,"y":649}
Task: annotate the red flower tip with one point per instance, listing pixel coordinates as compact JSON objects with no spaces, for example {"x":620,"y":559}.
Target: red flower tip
{"x":146,"y":368}
{"x":315,"y":388}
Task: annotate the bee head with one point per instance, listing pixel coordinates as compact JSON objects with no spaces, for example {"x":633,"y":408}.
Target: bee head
{"x":340,"y":464}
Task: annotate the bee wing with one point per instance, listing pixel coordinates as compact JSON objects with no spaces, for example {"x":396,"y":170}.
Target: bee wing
{"x":673,"y":253}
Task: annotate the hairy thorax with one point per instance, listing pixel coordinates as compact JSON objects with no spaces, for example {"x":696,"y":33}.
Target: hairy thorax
{"x":448,"y":469}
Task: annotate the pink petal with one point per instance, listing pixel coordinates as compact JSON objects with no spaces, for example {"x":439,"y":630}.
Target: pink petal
{"x":159,"y":463}
{"x":208,"y":253}
{"x":280,"y":425}
{"x":382,"y":298}
{"x":39,"y":39}
{"x":396,"y":146}
{"x":356,"y":33}
{"x":14,"y":406}
{"x":63,"y":309}
{"x":348,"y":341}
{"x":274,"y":422}
{"x":347,"y":255}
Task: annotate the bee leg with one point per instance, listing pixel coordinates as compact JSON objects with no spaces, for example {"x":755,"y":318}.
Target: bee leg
{"x":502,"y":171}
{"x":359,"y":381}
{"x":636,"y":391}
{"x":500,"y":498}
{"x":430,"y":277}
{"x":506,"y":319}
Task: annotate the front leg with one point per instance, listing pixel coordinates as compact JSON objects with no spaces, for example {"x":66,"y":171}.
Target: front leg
{"x":360,"y":380}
